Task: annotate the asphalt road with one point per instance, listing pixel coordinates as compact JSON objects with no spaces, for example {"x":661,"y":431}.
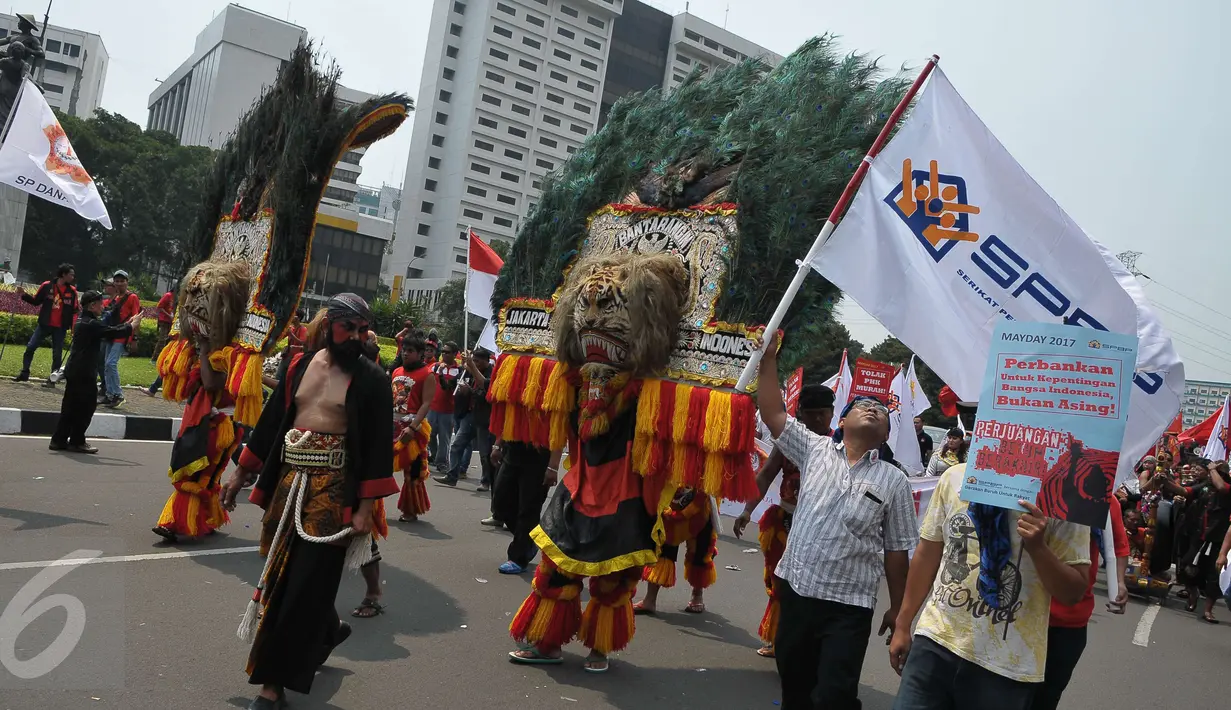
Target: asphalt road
{"x":159,"y":629}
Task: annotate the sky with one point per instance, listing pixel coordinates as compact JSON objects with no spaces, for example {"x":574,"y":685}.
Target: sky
{"x":1115,"y":107}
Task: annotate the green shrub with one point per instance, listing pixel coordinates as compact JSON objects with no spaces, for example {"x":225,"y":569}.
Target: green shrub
{"x":18,"y":330}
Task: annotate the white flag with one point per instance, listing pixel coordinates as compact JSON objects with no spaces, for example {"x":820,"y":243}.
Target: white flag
{"x":487,"y":338}
{"x":901,"y":426}
{"x":1216,"y":447}
{"x":948,"y":235}
{"x":840,"y":383}
{"x":910,"y":403}
{"x":36,"y":157}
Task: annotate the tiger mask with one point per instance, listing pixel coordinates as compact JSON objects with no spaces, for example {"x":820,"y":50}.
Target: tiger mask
{"x":606,"y":297}
{"x":213,"y":301}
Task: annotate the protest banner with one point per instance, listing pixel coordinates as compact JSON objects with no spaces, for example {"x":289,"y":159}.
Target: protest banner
{"x":871,"y":379}
{"x":1051,"y":421}
{"x":790,"y":393}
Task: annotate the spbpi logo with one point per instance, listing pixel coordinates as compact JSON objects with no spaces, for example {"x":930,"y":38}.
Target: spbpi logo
{"x":936,"y":207}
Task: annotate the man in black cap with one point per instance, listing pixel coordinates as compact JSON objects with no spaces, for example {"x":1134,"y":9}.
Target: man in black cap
{"x":77,"y":407}
{"x":326,"y":427}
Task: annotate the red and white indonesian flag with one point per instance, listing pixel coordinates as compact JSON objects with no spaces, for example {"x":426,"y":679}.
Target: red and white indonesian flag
{"x":482,"y":267}
{"x":1216,"y":447}
{"x":949,"y":234}
{"x":840,"y":383}
{"x":36,"y":157}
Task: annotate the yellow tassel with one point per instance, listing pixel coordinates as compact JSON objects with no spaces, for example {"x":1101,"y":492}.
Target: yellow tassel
{"x":252,"y":385}
{"x":512,"y":412}
{"x":604,"y":630}
{"x":504,"y":379}
{"x":542,"y":617}
{"x":559,"y":395}
{"x":712,"y":484}
{"x":659,"y":533}
{"x":226,"y":434}
{"x":642,"y":445}
{"x":679,"y":422}
{"x":661,"y":573}
{"x":559,"y":430}
{"x":647,"y":406}
{"x":718,"y":422}
{"x":530,"y":395}
{"x":183,"y":360}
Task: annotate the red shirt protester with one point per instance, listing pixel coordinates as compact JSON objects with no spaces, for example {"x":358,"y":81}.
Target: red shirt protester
{"x":166,"y":307}
{"x":58,"y":304}
{"x":446,"y":382}
{"x":124,"y":307}
{"x":1078,"y":615}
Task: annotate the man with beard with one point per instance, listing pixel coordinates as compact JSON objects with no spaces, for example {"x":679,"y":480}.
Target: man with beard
{"x":322,"y":447}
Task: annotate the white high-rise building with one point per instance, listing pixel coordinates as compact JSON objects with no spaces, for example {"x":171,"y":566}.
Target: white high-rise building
{"x":74,"y":70}
{"x":510,"y":90}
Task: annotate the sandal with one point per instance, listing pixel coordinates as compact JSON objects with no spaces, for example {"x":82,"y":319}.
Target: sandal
{"x":596,"y":665}
{"x":368,"y":608}
{"x":510,"y":567}
{"x":766,"y":651}
{"x":408,"y":518}
{"x":533,"y":657}
{"x":1114,"y":608}
{"x":639,"y":609}
{"x":1209,"y":619}
{"x":695,"y":607}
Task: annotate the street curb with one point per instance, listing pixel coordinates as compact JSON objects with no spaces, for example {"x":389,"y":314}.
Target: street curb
{"x":103,"y":426}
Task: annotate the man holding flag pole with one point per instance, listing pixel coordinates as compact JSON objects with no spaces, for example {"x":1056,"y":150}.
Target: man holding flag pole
{"x":982,"y":242}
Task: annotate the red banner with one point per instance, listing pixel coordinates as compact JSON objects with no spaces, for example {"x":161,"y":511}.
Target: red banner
{"x":872,"y":379}
{"x":790,"y":394}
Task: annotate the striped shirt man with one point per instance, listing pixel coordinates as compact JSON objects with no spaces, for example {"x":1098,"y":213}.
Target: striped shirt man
{"x":845,"y":518}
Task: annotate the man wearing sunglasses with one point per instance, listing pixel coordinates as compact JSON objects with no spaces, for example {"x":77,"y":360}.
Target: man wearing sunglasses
{"x":852,"y":508}
{"x":327,"y":432}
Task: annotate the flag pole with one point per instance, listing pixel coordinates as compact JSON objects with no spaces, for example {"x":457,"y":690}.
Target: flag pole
{"x":466,"y":294}
{"x":839,"y":207}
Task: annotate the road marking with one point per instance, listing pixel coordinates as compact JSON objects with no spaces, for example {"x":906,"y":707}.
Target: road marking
{"x":109,"y":441}
{"x":125,"y":558}
{"x":1142,"y":636}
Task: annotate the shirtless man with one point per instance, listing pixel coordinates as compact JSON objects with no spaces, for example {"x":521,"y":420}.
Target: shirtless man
{"x":325,"y":428}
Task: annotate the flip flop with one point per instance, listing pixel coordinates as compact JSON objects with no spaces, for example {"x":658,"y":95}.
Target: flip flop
{"x":766,"y":652}
{"x":368,"y":605}
{"x":535,"y":658}
{"x":695,"y":608}
{"x":640,"y":610}
{"x":588,"y":669}
{"x":510,"y":567}
{"x":1210,"y":619}
{"x":1115,"y":608}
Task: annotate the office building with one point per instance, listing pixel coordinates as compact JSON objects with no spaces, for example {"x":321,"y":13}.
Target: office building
{"x":236,"y":56}
{"x":74,"y":70}
{"x":1201,"y":399}
{"x":383,"y":201}
{"x":348,"y":250}
{"x":510,"y":90}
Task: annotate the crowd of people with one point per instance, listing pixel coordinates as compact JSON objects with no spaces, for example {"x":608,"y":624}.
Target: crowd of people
{"x":1001,"y":598}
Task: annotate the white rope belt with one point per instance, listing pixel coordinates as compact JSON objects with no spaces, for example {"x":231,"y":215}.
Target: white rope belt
{"x":358,"y":553}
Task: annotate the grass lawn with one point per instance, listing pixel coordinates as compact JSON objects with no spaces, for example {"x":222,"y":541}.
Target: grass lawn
{"x":133,"y":370}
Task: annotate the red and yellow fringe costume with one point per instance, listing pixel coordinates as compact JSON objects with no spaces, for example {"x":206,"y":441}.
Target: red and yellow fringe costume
{"x":411,"y":459}
{"x":684,"y":435}
{"x":208,"y":435}
{"x":772,"y":538}
{"x":691,"y":526}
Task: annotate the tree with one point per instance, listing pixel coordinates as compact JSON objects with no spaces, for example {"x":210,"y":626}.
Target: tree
{"x":501,"y":248}
{"x":892,"y":351}
{"x":451,"y":311}
{"x":151,"y":186}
